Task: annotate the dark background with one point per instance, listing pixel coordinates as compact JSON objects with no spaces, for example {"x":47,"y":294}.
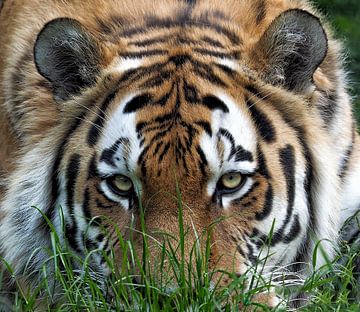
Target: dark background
{"x":344,"y":16}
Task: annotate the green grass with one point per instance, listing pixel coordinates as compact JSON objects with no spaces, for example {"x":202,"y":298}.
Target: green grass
{"x":172,"y":284}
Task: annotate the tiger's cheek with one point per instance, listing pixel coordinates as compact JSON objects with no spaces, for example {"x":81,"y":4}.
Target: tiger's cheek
{"x":256,"y":204}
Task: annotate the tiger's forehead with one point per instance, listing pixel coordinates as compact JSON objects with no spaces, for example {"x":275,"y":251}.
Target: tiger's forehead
{"x":181,"y":104}
{"x":184,"y":116}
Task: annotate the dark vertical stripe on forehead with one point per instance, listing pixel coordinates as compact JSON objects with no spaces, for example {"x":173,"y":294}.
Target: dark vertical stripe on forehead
{"x":262,"y":123}
{"x":97,"y":126}
{"x":72,"y":173}
{"x":163,"y":153}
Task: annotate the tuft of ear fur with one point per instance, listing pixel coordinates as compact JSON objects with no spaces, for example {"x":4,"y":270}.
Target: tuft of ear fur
{"x":67,"y":55}
{"x":294,"y":46}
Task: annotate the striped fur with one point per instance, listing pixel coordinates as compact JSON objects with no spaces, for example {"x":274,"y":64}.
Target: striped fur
{"x":169,"y":92}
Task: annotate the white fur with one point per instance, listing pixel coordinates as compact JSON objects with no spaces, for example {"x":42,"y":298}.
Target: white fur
{"x":125,"y":64}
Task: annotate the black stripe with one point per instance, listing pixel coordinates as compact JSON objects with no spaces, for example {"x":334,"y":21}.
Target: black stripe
{"x":250,"y":254}
{"x":238,"y":151}
{"x":207,"y":73}
{"x":262,"y":122}
{"x":203,"y":161}
{"x":157,"y":80}
{"x":345,"y":161}
{"x":267,"y":205}
{"x":242,"y":155}
{"x":294,"y":230}
{"x":226,"y":134}
{"x":179,"y":60}
{"x":107,"y":155}
{"x":226,"y":70}
{"x":262,"y":168}
{"x":139,"y":54}
{"x":157,"y":147}
{"x":214,"y":103}
{"x":92,"y":172}
{"x":72,"y":172}
{"x":138,"y":102}
{"x":213,"y":42}
{"x":134,"y":75}
{"x":191,"y":93}
{"x":96,"y":128}
{"x":152,"y":41}
{"x":55,"y":184}
{"x":287,"y":161}
{"x":206,"y":126}
{"x":328,"y":110}
{"x":142,"y":160}
{"x":304,"y":250}
{"x":165,"y":150}
{"x":218,"y":54}
{"x":86,"y":205}
{"x":156,"y":22}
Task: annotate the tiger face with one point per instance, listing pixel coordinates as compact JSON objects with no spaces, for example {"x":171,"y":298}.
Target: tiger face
{"x":186,"y":108}
{"x":190,"y":117}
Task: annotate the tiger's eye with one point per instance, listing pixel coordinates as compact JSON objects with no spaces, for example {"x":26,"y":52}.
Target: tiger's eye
{"x":231,"y":180}
{"x":122,"y":183}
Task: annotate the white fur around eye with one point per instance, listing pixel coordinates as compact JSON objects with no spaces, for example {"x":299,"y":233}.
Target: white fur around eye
{"x":125,"y":203}
{"x":228,"y":198}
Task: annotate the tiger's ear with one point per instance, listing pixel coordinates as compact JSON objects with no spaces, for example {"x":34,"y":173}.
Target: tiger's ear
{"x":66,"y":55}
{"x":293,"y":46}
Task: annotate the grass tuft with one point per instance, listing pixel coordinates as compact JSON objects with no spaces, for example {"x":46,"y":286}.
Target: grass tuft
{"x":174,"y":283}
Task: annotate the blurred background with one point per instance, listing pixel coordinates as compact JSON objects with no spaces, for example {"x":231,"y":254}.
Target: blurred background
{"x":344,"y":15}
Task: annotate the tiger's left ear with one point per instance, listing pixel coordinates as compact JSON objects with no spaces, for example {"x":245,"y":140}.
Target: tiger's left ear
{"x":293,"y":47}
{"x":68,"y":56}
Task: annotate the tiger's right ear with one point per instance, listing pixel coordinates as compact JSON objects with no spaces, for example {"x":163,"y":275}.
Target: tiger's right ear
{"x":67,"y":55}
{"x":291,"y":49}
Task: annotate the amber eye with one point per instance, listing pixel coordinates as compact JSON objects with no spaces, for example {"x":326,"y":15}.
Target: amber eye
{"x":231,"y":182}
{"x":121,"y":185}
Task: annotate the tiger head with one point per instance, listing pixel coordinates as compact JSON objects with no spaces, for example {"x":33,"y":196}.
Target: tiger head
{"x":184,"y":111}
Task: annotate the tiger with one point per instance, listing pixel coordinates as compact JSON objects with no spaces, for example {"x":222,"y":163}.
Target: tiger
{"x":110,"y":108}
